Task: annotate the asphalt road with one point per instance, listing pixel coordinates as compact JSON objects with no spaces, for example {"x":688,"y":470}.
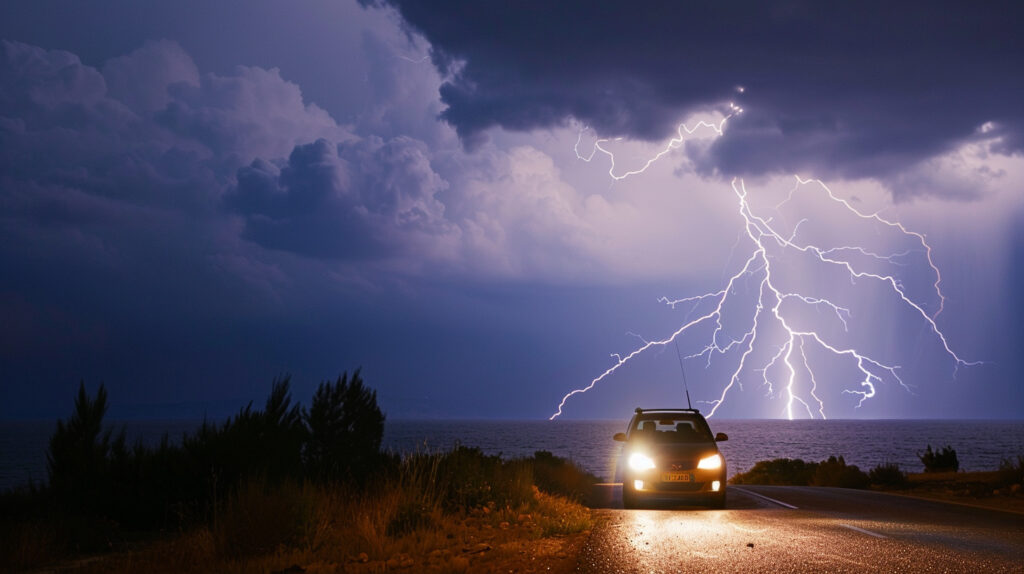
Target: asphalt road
{"x":805,"y":529}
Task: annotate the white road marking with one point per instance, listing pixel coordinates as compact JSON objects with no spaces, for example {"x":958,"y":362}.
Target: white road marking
{"x":862,"y":531}
{"x":779,"y":502}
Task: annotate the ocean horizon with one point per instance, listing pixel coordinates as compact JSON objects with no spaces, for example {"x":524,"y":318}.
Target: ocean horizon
{"x":980,"y":444}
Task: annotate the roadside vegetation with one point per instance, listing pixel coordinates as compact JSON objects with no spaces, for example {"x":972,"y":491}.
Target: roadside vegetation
{"x":283,"y":488}
{"x":1002,"y":488}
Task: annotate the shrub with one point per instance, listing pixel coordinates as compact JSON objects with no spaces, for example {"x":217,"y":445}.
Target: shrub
{"x":78,"y":458}
{"x":1011,"y":472}
{"x":468,"y":479}
{"x":888,"y":474}
{"x":559,"y":476}
{"x":779,"y":471}
{"x":414,"y":482}
{"x":835,"y":472}
{"x":939,"y":461}
{"x":796,"y":472}
{"x":345,"y":428}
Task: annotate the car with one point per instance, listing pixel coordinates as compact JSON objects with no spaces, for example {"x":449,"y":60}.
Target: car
{"x":670,"y":454}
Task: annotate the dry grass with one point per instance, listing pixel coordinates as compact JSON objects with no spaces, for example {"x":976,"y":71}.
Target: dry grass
{"x":319,"y":529}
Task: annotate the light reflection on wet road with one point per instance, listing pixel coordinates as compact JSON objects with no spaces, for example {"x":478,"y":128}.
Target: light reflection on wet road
{"x":829,"y":530}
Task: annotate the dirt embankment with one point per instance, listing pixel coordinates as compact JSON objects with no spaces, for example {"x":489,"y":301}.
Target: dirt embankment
{"x":983,"y":488}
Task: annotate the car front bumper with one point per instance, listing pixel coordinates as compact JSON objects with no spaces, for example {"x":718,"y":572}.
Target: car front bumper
{"x":692,"y":483}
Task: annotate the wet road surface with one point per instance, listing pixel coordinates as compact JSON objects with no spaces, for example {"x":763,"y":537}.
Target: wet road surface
{"x":805,"y":529}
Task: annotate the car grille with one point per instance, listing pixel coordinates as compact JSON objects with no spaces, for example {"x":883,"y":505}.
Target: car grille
{"x":681,"y":486}
{"x":678,"y":465}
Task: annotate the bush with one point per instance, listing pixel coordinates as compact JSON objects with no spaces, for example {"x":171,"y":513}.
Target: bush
{"x":345,"y":428}
{"x":1011,"y":472}
{"x":939,"y":461}
{"x":779,"y":471}
{"x":796,"y":472}
{"x":78,"y":458}
{"x":835,"y":472}
{"x":468,"y":479}
{"x":888,"y":474}
{"x":94,"y":474}
{"x":559,"y":476}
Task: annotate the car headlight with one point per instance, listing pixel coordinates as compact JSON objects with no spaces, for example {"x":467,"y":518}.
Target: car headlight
{"x":640,"y":461}
{"x":710,"y":462}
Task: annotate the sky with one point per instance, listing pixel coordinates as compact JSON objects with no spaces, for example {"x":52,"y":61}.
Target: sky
{"x":197,"y":197}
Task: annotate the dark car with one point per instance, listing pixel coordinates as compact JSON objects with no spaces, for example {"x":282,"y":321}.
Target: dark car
{"x":671,"y":454}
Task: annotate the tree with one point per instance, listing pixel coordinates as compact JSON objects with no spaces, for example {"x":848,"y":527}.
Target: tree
{"x":345,"y":428}
{"x":255,"y":443}
{"x":78,"y":457}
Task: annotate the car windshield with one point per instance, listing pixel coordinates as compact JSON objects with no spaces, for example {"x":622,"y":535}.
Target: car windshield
{"x":669,"y":429}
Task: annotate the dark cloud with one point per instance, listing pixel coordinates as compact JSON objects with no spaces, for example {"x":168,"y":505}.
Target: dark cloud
{"x":362,"y":199}
{"x":846,"y":89}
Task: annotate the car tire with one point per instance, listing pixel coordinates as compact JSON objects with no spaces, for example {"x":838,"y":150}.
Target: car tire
{"x":718,"y":501}
{"x":629,"y":500}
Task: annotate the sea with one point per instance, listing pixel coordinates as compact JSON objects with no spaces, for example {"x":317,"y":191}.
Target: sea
{"x":980,"y":444}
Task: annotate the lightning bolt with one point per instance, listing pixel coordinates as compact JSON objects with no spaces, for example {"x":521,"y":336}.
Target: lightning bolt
{"x":681,"y":132}
{"x":769,"y":244}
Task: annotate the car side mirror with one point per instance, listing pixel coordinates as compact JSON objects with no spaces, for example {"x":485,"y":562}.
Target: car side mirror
{"x":721,"y":437}
{"x":619,"y":437}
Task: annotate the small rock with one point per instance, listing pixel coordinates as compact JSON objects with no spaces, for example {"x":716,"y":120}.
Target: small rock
{"x":479,"y":548}
{"x":362,"y":558}
{"x":524,"y":518}
{"x":750,"y":544}
{"x":504,"y":525}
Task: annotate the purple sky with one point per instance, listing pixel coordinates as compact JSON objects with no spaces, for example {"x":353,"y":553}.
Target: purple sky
{"x":196,"y":197}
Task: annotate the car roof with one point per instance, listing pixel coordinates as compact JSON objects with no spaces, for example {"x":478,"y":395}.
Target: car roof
{"x":641,"y":411}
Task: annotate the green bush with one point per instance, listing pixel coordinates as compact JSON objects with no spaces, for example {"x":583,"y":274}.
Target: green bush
{"x":888,"y":474}
{"x":939,"y":461}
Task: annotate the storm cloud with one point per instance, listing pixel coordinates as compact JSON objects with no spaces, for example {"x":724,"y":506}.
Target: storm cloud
{"x":196,"y":196}
{"x":362,"y":199}
{"x":842,"y":89}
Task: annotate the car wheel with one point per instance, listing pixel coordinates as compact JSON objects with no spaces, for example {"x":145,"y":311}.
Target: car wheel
{"x":628,"y":499}
{"x":718,"y":501}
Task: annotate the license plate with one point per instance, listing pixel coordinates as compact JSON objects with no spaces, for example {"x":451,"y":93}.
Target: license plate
{"x":676,"y":477}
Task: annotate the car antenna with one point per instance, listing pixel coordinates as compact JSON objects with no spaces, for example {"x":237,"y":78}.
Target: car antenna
{"x":685,"y":386}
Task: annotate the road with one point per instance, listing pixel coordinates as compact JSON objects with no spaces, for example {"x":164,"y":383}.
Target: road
{"x":805,"y":529}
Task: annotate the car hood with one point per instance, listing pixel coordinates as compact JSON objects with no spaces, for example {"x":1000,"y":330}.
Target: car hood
{"x":675,"y":451}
